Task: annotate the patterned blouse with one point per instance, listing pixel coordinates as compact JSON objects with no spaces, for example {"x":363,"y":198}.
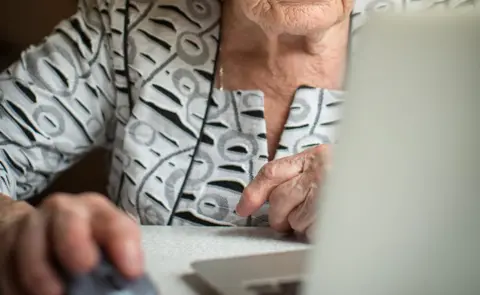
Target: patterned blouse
{"x":138,"y":80}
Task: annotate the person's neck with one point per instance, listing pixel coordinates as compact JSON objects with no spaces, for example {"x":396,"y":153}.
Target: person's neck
{"x":318,"y":59}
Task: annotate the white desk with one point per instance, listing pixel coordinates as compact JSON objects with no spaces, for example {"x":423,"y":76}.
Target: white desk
{"x":169,"y":251}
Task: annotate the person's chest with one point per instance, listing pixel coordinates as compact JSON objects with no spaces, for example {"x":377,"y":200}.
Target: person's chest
{"x":192,"y":159}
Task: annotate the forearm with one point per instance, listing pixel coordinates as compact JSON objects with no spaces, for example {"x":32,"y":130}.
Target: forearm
{"x":10,"y":210}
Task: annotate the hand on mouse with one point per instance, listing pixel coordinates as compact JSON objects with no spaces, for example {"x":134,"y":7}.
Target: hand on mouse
{"x":290,"y":185}
{"x":70,"y":228}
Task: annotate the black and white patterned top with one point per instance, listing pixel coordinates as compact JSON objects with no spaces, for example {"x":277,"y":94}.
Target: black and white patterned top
{"x":69,"y":95}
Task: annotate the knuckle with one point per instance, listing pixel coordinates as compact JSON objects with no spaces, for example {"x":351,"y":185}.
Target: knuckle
{"x":56,"y":202}
{"x":298,"y":160}
{"x":294,"y":222}
{"x":268,"y":170}
{"x":95,"y":198}
{"x":300,"y":219}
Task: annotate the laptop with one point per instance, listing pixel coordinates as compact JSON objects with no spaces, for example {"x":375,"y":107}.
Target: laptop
{"x":400,"y":211}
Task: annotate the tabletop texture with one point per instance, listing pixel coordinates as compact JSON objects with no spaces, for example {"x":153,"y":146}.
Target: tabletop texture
{"x":169,"y":252}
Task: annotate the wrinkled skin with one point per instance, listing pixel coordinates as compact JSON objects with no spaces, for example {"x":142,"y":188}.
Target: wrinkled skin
{"x":291,"y":186}
{"x":69,"y":228}
{"x":296,"y":17}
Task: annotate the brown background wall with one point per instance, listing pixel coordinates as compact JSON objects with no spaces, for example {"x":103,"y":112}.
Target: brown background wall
{"x":26,"y":22}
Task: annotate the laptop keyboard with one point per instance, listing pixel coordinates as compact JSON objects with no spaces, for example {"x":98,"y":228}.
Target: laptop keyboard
{"x":278,"y":288}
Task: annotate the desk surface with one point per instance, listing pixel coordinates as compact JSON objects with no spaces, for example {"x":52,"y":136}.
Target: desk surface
{"x":169,"y":251}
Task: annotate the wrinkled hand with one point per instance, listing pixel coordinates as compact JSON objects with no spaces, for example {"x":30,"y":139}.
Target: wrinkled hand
{"x":290,"y":185}
{"x":70,"y":228}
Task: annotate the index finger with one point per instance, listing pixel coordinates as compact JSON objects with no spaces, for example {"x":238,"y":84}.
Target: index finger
{"x":270,"y":176}
{"x":118,"y":235}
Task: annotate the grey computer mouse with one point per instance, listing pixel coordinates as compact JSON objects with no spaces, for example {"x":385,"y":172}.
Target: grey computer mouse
{"x":105,"y":279}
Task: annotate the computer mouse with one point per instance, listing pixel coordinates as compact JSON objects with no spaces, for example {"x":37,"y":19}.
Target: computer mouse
{"x":105,"y":279}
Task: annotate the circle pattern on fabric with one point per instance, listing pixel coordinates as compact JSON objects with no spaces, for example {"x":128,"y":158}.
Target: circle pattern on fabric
{"x":299,"y":111}
{"x":381,"y":6}
{"x":200,"y":9}
{"x":60,"y":80}
{"x":50,"y":120}
{"x":142,"y":133}
{"x":237,"y":147}
{"x":185,"y":82}
{"x":309,"y":141}
{"x":214,"y":206}
{"x":192,"y":49}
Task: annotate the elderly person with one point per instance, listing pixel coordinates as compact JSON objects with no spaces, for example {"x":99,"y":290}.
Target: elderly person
{"x":216,"y":113}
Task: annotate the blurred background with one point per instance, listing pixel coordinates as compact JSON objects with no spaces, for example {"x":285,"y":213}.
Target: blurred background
{"x":27,"y":22}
